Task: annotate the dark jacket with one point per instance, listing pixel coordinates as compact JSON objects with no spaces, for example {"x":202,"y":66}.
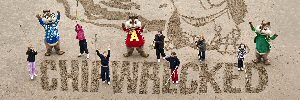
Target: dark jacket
{"x":104,"y":60}
{"x":174,"y":61}
{"x":159,"y":41}
{"x":201,"y":45}
{"x":31,"y":55}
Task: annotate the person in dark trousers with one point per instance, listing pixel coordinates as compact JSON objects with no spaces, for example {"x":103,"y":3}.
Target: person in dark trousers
{"x":241,"y":56}
{"x":105,"y":66}
{"x":82,"y":41}
{"x":201,"y":44}
{"x":174,"y":65}
{"x":31,"y":61}
{"x":159,"y":45}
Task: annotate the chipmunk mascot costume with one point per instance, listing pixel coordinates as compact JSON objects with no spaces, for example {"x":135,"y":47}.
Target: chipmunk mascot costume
{"x":134,"y":28}
{"x":262,"y":39}
{"x":50,"y":23}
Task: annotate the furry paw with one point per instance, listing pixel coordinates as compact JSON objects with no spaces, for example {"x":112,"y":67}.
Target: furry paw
{"x":47,"y":54}
{"x":60,"y":52}
{"x":267,"y":62}
{"x":145,"y":55}
{"x":126,"y":55}
{"x":255,"y":61}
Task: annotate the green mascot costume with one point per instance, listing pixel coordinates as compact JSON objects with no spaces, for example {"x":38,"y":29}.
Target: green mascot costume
{"x":262,"y":39}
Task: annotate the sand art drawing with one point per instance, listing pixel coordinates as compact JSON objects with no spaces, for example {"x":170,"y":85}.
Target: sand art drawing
{"x":179,"y":39}
{"x":126,"y":75}
{"x":136,"y":82}
{"x":134,"y":77}
{"x":224,"y":24}
{"x":225,"y":42}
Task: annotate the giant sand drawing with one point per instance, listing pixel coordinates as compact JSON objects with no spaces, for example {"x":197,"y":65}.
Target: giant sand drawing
{"x":223,"y":37}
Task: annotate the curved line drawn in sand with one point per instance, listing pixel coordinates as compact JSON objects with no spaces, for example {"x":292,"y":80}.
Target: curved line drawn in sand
{"x":96,"y":11}
{"x":211,"y":5}
{"x":177,"y":39}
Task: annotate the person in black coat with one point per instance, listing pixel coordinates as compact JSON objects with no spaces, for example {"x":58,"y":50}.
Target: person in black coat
{"x":159,"y":45}
{"x":31,"y":61}
{"x":202,"y":48}
{"x":174,"y":65}
{"x":105,"y":66}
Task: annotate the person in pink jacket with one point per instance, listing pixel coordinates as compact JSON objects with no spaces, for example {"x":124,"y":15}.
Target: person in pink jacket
{"x":82,"y":41}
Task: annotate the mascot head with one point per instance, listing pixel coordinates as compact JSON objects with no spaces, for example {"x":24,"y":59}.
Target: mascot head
{"x":133,"y":22}
{"x":264,"y":28}
{"x":48,"y":17}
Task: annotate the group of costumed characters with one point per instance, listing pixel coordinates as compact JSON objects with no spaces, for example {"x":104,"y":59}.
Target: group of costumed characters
{"x":262,"y":45}
{"x":135,"y":40}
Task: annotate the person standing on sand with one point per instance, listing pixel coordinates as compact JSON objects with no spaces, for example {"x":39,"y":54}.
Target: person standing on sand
{"x":82,"y":41}
{"x":31,"y":61}
{"x":174,"y":65}
{"x":201,"y":44}
{"x":105,"y":65}
{"x":159,"y":45}
{"x":241,"y":56}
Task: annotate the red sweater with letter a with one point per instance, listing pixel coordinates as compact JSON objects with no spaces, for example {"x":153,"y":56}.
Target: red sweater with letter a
{"x":134,"y":38}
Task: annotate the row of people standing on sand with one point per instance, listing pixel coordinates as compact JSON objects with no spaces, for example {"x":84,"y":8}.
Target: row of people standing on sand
{"x":135,"y":40}
{"x":261,"y":37}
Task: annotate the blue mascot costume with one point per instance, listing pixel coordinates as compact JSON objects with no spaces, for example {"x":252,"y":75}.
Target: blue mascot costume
{"x":50,"y":23}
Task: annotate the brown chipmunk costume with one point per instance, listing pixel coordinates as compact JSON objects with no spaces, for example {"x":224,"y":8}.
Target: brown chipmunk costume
{"x":135,"y":39}
{"x":50,"y":23}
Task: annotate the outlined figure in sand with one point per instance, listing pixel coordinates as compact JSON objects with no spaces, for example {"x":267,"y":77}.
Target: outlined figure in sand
{"x":95,"y":12}
{"x":219,"y":20}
